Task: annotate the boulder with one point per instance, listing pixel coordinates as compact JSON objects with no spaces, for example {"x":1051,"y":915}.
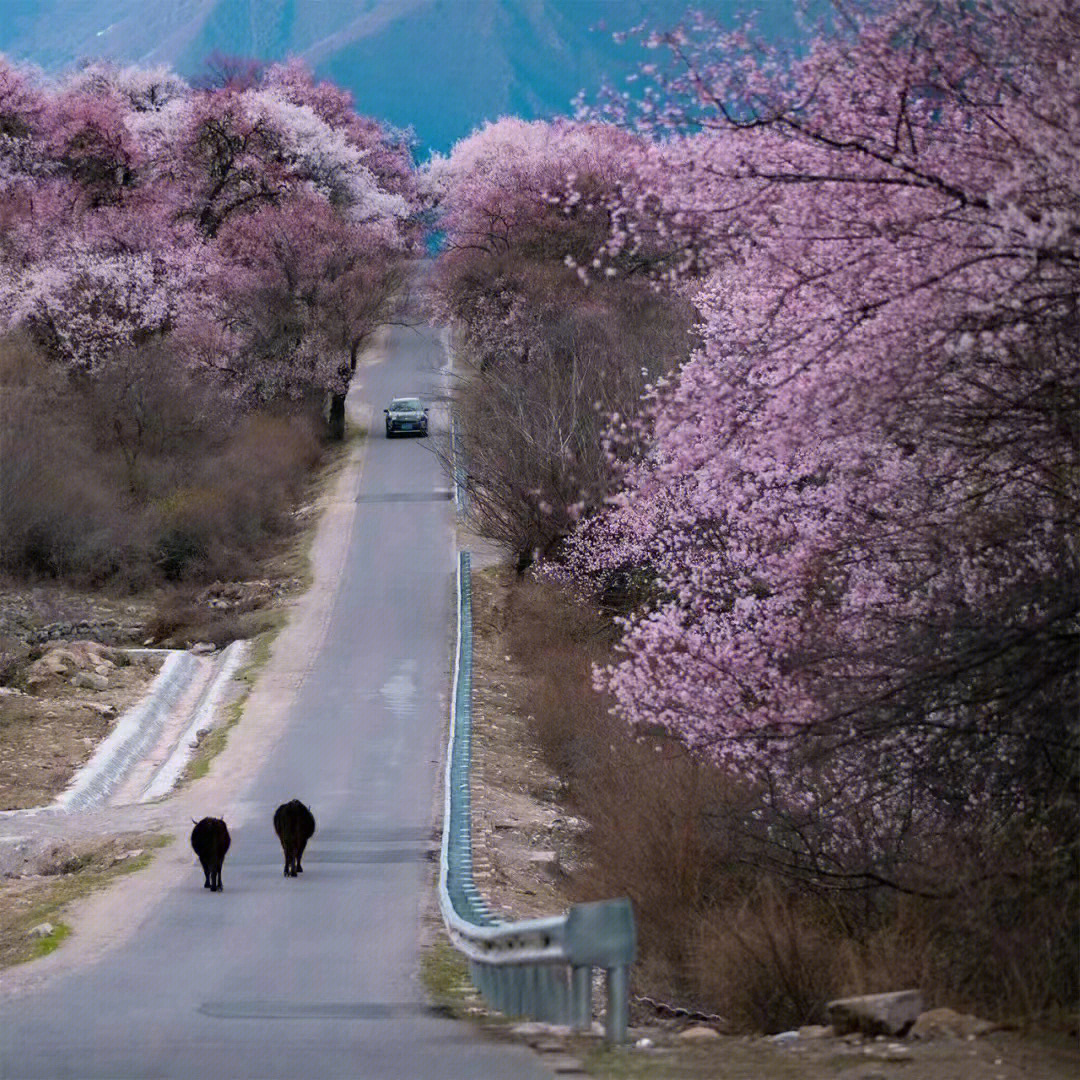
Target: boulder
{"x":876,"y":1014}
{"x":41,"y":930}
{"x":90,"y":680}
{"x":699,"y":1033}
{"x":946,"y":1023}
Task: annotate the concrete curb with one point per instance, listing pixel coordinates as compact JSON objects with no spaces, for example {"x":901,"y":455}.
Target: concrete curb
{"x":139,"y":729}
{"x":134,"y":734}
{"x":168,"y":774}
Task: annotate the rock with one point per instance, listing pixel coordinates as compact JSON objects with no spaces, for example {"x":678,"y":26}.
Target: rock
{"x":547,"y":861}
{"x":108,"y":711}
{"x":784,"y":1037}
{"x":946,"y":1023}
{"x":876,"y":1014}
{"x":699,"y":1033}
{"x":41,"y":930}
{"x":91,"y":680}
{"x":57,"y":662}
{"x":644,"y":1044}
{"x":529,"y":1029}
{"x":202,"y":648}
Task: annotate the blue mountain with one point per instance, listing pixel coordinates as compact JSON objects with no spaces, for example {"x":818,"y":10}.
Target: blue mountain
{"x":441,"y":67}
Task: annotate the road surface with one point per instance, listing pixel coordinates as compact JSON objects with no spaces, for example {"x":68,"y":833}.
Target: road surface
{"x":316,"y":976}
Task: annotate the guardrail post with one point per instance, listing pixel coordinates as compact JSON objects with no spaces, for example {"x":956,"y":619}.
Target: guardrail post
{"x":581,"y":997}
{"x":618,"y":1004}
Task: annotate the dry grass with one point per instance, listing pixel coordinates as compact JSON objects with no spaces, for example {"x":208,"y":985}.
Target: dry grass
{"x":721,"y":931}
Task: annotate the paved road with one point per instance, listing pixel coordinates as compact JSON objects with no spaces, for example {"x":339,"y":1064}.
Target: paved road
{"x":318,"y":976}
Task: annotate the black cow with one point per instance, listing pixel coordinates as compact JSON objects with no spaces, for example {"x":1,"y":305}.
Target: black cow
{"x":210,"y":839}
{"x":294,"y":825}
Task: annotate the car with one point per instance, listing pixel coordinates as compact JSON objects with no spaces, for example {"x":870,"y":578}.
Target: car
{"x":406,"y":414}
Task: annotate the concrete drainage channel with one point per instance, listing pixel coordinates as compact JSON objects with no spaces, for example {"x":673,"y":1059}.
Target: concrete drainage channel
{"x":144,"y":755}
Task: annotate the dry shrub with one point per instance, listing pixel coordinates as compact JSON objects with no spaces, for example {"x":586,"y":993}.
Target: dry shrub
{"x":560,"y":642}
{"x":140,"y":475}
{"x":180,"y":620}
{"x":533,"y":400}
{"x":721,"y":929}
{"x":14,"y":654}
{"x":770,"y":959}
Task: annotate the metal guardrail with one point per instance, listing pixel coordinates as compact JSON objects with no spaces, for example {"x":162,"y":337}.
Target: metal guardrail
{"x":536,"y":968}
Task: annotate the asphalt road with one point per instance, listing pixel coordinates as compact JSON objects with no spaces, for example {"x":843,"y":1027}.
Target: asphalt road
{"x":316,"y":976}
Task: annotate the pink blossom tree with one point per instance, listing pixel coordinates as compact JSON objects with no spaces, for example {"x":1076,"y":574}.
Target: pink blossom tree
{"x":137,"y":208}
{"x":858,"y":510}
{"x":542,"y":360}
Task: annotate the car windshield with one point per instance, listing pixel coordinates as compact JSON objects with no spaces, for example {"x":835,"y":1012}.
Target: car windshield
{"x":404,"y":404}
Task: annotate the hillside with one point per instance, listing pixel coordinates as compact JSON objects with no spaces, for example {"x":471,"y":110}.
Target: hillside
{"x":439,"y":66}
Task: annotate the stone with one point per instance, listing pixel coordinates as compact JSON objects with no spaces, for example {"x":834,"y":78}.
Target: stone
{"x":699,"y":1033}
{"x":876,"y":1014}
{"x":202,"y":648}
{"x":90,"y":680}
{"x":529,"y":1029}
{"x":42,"y":930}
{"x":547,"y":861}
{"x":57,"y":662}
{"x":947,"y":1023}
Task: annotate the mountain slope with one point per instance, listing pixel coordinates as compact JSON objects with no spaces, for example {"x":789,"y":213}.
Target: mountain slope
{"x":439,"y":66}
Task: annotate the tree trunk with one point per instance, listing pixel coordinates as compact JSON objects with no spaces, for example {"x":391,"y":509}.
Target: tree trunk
{"x":335,"y":424}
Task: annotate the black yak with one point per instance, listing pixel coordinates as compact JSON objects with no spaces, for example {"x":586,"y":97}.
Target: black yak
{"x":294,"y":825}
{"x":210,"y":839}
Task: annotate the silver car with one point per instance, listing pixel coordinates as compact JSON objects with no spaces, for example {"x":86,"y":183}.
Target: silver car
{"x":406,"y":414}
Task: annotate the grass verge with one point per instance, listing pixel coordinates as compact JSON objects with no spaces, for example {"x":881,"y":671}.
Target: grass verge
{"x":216,"y":739}
{"x":30,"y":901}
{"x":445,"y":974}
